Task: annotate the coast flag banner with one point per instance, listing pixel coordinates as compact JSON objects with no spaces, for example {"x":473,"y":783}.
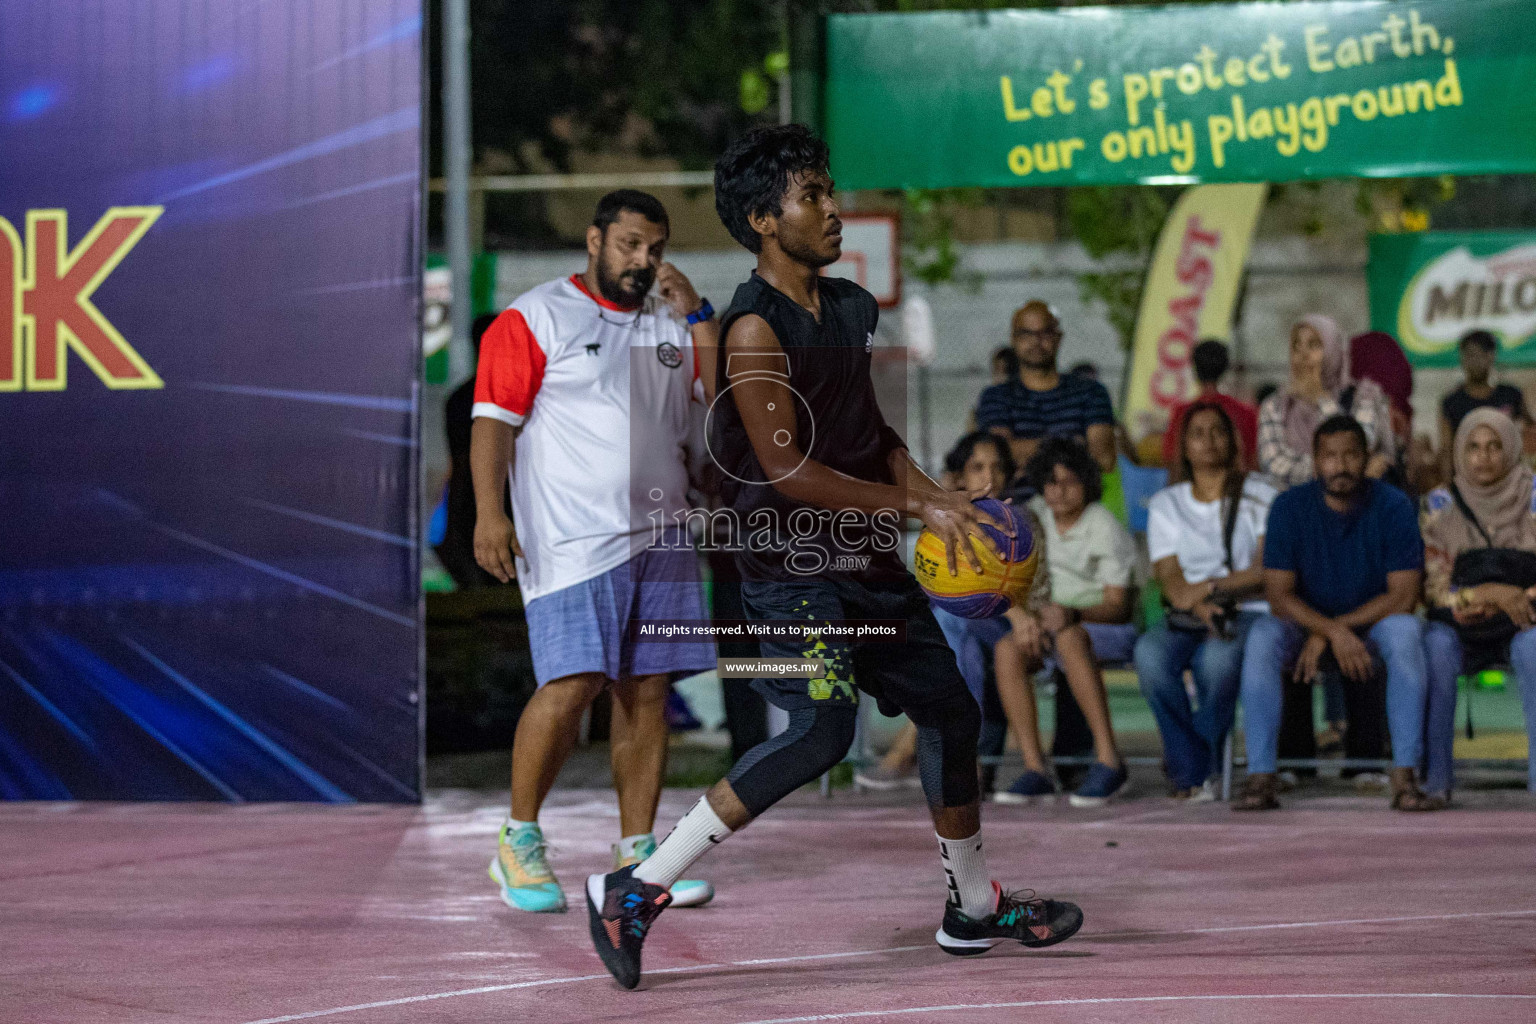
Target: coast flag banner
{"x":1190,"y":293}
{"x":1429,"y":289}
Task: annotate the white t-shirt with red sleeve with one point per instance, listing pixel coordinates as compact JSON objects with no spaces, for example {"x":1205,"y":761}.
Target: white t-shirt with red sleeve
{"x":602,"y":395}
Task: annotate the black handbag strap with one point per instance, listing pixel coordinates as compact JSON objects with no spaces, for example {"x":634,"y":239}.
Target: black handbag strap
{"x":1466,"y":510}
{"x":1229,"y":526}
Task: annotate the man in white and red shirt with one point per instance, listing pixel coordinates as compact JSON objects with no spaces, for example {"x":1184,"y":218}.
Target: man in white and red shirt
{"x":583,"y":398}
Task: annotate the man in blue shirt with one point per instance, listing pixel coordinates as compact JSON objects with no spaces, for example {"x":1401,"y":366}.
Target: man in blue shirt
{"x":1343,"y":568}
{"x":1042,"y":402}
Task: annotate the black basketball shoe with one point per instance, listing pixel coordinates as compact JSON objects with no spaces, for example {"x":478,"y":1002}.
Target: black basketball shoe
{"x":620,"y":909}
{"x":1019,"y":916}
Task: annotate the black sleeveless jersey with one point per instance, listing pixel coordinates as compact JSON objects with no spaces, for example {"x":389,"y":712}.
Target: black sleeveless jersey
{"x":838,"y":424}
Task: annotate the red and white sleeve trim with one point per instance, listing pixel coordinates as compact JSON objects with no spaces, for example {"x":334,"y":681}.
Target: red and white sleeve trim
{"x":510,"y":372}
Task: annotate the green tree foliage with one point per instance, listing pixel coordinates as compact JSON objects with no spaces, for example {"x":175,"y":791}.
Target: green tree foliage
{"x":551,"y":77}
{"x":1119,"y":220}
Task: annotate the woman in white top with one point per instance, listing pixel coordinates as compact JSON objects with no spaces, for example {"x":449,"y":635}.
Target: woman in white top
{"x":1205,"y":537}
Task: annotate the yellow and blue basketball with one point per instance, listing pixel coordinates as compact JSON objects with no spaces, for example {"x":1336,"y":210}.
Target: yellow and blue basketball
{"x":1003,"y":581}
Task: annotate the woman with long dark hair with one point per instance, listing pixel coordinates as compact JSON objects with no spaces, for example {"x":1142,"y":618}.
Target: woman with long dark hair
{"x":1205,"y":537}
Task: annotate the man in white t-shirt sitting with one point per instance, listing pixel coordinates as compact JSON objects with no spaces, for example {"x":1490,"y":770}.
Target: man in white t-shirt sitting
{"x":582,"y":398}
{"x":1206,"y":540}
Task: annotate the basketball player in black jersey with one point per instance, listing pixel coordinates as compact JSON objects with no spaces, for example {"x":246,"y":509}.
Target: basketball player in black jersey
{"x":804,"y":449}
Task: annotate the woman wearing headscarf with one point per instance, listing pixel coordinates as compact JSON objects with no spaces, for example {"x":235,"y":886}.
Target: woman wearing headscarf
{"x":1320,"y":386}
{"x":1376,"y":355}
{"x":1480,"y":567}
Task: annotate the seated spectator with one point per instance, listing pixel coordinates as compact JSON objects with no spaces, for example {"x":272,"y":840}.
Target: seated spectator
{"x":1206,"y":539}
{"x":1478,"y":350}
{"x":1376,"y":355}
{"x":1005,"y":365}
{"x":1479,"y":554}
{"x":1320,"y":387}
{"x":978,"y":462}
{"x":1343,"y":568}
{"x":1043,"y":403}
{"x":1210,"y":363}
{"x":1084,"y":617}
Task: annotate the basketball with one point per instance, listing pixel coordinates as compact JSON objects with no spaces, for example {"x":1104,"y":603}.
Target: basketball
{"x":1003,"y":581}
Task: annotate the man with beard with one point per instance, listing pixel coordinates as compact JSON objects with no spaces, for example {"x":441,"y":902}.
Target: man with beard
{"x":1042,"y":402}
{"x":1343,"y":566}
{"x":582,"y":399}
{"x":799,"y":438}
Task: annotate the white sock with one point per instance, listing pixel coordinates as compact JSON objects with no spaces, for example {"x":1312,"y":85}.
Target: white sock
{"x":965,"y":871}
{"x":512,"y":825}
{"x":689,"y":840}
{"x":628,"y":843}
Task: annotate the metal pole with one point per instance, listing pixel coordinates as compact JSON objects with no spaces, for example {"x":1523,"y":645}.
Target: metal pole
{"x":925,"y":424}
{"x":456,"y":154}
{"x":786,"y":109}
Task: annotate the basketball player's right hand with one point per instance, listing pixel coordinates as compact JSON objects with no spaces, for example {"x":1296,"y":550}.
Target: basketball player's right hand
{"x":954,"y":520}
{"x":495,"y":544}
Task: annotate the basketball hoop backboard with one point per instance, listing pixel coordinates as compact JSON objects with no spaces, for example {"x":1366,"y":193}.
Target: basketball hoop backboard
{"x":871,"y":255}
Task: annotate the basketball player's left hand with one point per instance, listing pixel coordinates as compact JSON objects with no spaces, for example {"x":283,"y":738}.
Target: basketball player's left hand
{"x":676,"y":290}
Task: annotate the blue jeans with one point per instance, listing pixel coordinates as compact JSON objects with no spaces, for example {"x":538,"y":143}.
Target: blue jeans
{"x":1442,"y":653}
{"x":1111,"y":641}
{"x":1443,"y":648}
{"x":1270,"y":652}
{"x":972,"y":641}
{"x":1192,"y":737}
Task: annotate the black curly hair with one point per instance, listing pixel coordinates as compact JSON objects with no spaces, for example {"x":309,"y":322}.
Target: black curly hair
{"x":752,"y":175}
{"x":1071,"y":454}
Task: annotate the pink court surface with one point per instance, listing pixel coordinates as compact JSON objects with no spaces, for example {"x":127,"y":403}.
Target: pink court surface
{"x":1334,"y":909}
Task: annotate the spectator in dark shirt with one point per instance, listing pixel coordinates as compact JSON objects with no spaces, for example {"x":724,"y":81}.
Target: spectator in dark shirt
{"x":1043,"y":402}
{"x":1005,"y":365}
{"x":1478,"y":349}
{"x":457,"y":550}
{"x":1376,"y":355}
{"x":1343,"y":568}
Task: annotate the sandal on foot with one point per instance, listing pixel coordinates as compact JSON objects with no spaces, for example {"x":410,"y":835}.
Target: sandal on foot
{"x":1407,"y":796}
{"x":1259,"y":793}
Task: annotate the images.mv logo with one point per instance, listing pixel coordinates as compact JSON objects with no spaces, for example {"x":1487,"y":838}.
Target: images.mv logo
{"x":45,"y":300}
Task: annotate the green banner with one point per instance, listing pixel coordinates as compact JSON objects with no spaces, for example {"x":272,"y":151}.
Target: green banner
{"x":1194,"y":92}
{"x":1430,"y":289}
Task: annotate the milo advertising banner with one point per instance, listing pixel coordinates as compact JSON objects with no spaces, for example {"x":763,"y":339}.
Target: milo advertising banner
{"x":1429,"y":289}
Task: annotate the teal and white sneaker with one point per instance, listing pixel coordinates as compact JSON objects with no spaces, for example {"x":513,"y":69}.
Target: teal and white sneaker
{"x":522,"y":873}
{"x":686,"y":892}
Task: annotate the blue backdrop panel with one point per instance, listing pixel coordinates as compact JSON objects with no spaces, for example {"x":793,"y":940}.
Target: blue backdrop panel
{"x":208,"y":569}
